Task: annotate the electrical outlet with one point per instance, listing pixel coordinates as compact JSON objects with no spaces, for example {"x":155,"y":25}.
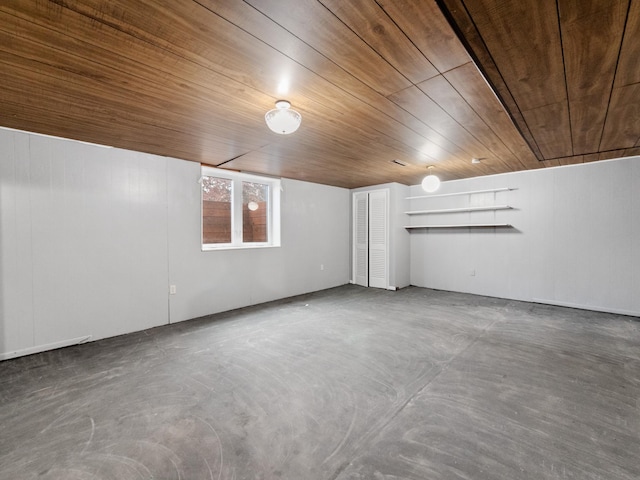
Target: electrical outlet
{"x":322,"y":266}
{"x":172,"y":289}
{"x":473,"y":272}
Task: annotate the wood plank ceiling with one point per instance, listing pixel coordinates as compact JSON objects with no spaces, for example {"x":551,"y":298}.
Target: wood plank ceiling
{"x":568,"y":71}
{"x":374,"y":80}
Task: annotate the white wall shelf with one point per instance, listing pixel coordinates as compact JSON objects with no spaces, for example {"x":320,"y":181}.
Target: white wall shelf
{"x":503,"y":189}
{"x":468,"y":207}
{"x":461,"y":225}
{"x":464,"y":209}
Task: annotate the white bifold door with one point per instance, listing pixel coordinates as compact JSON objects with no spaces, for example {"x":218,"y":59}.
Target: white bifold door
{"x":370,"y":238}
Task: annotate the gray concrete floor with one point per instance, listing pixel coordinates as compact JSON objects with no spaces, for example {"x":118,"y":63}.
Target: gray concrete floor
{"x":348,"y":383}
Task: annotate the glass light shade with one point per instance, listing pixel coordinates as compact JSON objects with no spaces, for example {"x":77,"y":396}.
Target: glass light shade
{"x":430,"y":183}
{"x":282,"y":119}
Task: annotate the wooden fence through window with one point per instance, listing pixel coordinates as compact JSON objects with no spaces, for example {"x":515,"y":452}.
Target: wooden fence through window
{"x":216,"y":222}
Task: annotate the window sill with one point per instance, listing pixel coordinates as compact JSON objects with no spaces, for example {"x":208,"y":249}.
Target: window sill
{"x":207,"y":248}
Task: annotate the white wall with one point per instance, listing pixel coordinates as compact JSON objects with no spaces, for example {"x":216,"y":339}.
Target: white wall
{"x":315,"y":233}
{"x":399,"y":237}
{"x":91,"y":238}
{"x":575,"y":241}
{"x":82,"y":230}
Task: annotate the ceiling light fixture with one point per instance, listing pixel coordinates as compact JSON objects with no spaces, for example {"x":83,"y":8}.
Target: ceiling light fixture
{"x":431,"y":182}
{"x":282,"y":119}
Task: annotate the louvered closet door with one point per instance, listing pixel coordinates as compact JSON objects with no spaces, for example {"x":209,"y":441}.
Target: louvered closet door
{"x":370,"y":238}
{"x":361,"y":238}
{"x":378,"y":239}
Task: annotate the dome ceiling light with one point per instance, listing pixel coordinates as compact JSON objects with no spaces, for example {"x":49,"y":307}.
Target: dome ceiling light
{"x":282,"y":119}
{"x":431,"y":182}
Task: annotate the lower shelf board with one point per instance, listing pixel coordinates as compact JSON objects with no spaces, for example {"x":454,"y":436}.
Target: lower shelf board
{"x":461,"y":225}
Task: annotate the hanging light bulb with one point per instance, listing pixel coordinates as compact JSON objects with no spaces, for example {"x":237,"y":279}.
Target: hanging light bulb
{"x":431,"y":182}
{"x":282,"y":119}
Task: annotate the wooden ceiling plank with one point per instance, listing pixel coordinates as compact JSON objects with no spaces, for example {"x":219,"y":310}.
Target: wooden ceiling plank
{"x":550,"y":125}
{"x":628,"y":72}
{"x":623,"y":118}
{"x":591,"y":157}
{"x":444,"y":95}
{"x":84,"y":96}
{"x":311,"y":22}
{"x":468,"y":81}
{"x":145,"y":140}
{"x":632,"y":152}
{"x":611,"y":154}
{"x":332,"y":156}
{"x":165,"y":113}
{"x":337,"y":100}
{"x":591,"y":38}
{"x":181,"y":68}
{"x":416,"y":134}
{"x":193,"y":71}
{"x":510,"y":29}
{"x":588,"y":114}
{"x":283,"y":166}
{"x":148,"y":67}
{"x":188,"y":31}
{"x":417,"y":103}
{"x":370,"y":22}
{"x":523,"y":39}
{"x":423,"y":22}
{"x":527,"y":54}
{"x":469,"y":34}
{"x":575,"y":159}
{"x":356,"y":175}
{"x":121,"y":123}
{"x":255,"y":23}
{"x":409,"y":140}
{"x":66,"y":126}
{"x":211,"y":43}
{"x":551,"y":163}
{"x":193,"y":80}
{"x":367,"y":160}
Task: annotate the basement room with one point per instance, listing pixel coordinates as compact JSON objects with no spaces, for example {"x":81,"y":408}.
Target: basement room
{"x":320,"y":240}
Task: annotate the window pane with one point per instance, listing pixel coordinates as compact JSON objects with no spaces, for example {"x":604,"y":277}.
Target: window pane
{"x":255,"y":197}
{"x":216,"y":210}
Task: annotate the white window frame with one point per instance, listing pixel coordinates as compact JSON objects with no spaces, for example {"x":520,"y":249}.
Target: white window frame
{"x":273,"y":214}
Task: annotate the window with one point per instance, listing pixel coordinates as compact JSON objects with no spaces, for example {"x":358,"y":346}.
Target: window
{"x":239,"y":210}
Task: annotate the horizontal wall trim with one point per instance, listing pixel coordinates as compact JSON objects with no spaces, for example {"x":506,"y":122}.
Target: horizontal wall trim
{"x":617,"y":311}
{"x":43,"y":348}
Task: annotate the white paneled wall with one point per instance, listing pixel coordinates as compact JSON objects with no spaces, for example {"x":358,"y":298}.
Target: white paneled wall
{"x":83,"y":232}
{"x":91,"y":238}
{"x":575,"y":242}
{"x":314,"y":254}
